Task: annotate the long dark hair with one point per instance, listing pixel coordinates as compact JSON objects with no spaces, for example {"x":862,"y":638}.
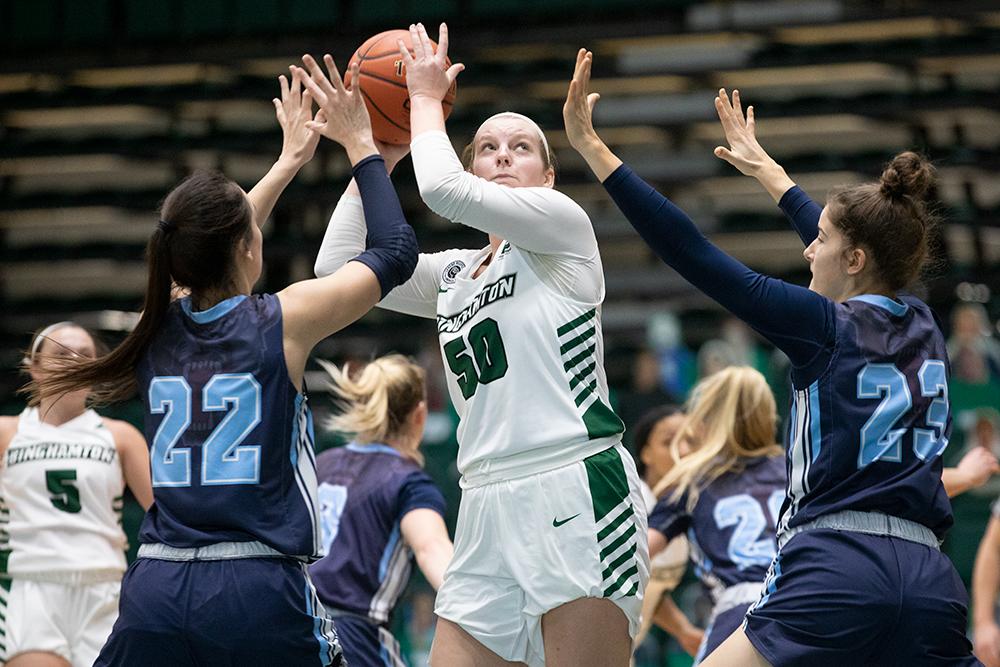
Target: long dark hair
{"x":889,"y":218}
{"x":644,"y":428}
{"x":201,"y":222}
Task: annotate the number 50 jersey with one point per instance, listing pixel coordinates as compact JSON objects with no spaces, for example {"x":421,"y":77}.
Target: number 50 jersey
{"x":525,"y":369}
{"x":231,"y":439}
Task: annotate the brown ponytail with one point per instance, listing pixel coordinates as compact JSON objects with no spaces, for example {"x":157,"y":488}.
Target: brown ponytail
{"x":201,"y":221}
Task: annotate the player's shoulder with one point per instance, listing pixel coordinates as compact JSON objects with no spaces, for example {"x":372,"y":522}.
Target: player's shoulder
{"x":8,"y":428}
{"x":124,"y":433}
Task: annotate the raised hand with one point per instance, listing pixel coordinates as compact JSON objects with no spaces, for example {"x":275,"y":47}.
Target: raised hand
{"x":578,"y":111}
{"x":578,"y":114}
{"x":294,"y":111}
{"x":745,"y":152}
{"x":427,"y":72}
{"x":343,"y":116}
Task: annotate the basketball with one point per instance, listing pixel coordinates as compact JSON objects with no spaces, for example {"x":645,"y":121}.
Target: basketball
{"x":382,"y":81}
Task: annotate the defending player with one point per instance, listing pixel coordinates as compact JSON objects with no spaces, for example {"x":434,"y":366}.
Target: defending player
{"x":725,"y":494}
{"x":221,"y":577}
{"x":62,"y":549}
{"x":379,"y":508}
{"x":652,"y":438}
{"x":870,"y":414}
{"x":551,"y":532}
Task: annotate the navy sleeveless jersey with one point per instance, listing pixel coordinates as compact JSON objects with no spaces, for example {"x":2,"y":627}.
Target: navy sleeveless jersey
{"x":731,"y":528}
{"x":231,"y":438}
{"x":866,"y":431}
{"x":365,"y":490}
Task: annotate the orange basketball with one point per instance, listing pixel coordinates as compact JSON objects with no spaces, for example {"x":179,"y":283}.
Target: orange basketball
{"x":382,"y":80}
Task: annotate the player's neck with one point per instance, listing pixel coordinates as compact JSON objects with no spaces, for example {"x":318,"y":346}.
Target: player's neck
{"x":58,"y":411}
{"x":402,"y":443}
{"x":205,"y":300}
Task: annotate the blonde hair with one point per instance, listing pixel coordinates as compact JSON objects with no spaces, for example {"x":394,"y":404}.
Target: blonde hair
{"x":378,"y":400}
{"x":731,"y":417}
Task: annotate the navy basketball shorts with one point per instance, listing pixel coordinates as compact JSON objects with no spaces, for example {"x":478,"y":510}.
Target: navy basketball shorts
{"x":719,"y":630}
{"x":222,"y":613}
{"x":843,"y":598}
{"x":366,"y":644}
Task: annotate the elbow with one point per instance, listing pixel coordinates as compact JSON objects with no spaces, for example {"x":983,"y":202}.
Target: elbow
{"x":440,"y":194}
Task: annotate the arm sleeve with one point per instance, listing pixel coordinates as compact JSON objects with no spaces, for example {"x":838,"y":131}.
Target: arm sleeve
{"x":392,"y":245}
{"x":420,"y":492}
{"x":539,"y":220}
{"x":795,"y":319}
{"x":670,"y":518}
{"x":802,"y":212}
{"x":345,"y":239}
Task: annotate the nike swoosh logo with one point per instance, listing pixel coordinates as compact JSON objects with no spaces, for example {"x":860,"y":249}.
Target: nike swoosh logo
{"x":556,"y":522}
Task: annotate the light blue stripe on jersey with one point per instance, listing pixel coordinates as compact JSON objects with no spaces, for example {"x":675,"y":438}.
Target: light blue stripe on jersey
{"x":215,"y":312}
{"x":373,"y":448}
{"x":895,"y":307}
{"x":324,"y":644}
{"x":814,"y":416}
{"x":383,"y":564}
{"x":304,"y":466}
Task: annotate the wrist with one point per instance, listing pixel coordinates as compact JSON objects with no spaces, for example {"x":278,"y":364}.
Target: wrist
{"x":359,"y":150}
{"x":289,"y":163}
{"x":424,"y":99}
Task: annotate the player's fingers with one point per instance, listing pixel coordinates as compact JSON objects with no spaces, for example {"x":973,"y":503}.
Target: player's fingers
{"x":317,"y":93}
{"x":317,"y":76}
{"x":283,"y":84}
{"x":418,"y":47}
{"x":738,"y":109}
{"x":592,"y":100}
{"x":305,"y":108}
{"x":279,"y":110}
{"x":751,"y":122}
{"x":331,"y":67}
{"x":442,"y":51}
{"x":453,"y":71}
{"x":295,"y":87}
{"x":425,"y":41}
{"x":588,"y":62}
{"x":724,"y":153}
{"x":355,"y":72}
{"x":404,"y":53}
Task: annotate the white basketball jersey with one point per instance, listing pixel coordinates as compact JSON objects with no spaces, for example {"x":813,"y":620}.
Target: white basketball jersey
{"x":61,"y":498}
{"x":525,"y":368}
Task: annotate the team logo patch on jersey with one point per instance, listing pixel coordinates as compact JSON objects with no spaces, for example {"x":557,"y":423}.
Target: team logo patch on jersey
{"x":495,"y":291}
{"x":451,"y":271}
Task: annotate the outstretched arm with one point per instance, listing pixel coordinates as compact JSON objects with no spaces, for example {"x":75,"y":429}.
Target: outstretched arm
{"x":974,"y":470}
{"x":426,"y":534}
{"x":298,"y":146}
{"x":746,"y":154}
{"x":767,"y":304}
{"x":537,"y":219}
{"x":985,"y":584}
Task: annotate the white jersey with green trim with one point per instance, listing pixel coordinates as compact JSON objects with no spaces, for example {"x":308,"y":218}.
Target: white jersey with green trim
{"x":522,"y":341}
{"x":525,"y":369}
{"x":61,"y":494}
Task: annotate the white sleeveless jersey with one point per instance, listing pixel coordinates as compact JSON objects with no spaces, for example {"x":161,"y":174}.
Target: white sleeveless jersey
{"x":61,"y":499}
{"x":525,"y":369}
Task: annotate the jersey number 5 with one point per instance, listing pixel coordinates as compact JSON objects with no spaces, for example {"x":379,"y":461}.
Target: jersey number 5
{"x":880,"y":440}
{"x":490,"y":357}
{"x":224,"y":459}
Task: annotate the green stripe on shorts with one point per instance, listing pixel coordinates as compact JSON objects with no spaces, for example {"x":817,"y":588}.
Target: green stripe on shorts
{"x":607,"y":480}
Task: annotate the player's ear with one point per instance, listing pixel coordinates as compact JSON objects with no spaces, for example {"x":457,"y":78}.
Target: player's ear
{"x":857,"y":260}
{"x":550,"y":178}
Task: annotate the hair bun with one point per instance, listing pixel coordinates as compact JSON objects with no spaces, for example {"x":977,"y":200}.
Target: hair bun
{"x":907,"y":174}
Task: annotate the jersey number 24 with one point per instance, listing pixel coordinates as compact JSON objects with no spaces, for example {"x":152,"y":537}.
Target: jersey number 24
{"x":224,"y":459}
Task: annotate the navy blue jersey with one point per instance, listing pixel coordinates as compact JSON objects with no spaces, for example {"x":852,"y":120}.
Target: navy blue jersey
{"x":870,"y":415}
{"x":365,"y":491}
{"x":731,"y":528}
{"x":866,"y":432}
{"x":231,"y":439}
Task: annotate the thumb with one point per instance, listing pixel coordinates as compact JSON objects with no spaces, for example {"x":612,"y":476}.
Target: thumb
{"x":724,"y":153}
{"x":453,"y":72}
{"x":593,"y":99}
